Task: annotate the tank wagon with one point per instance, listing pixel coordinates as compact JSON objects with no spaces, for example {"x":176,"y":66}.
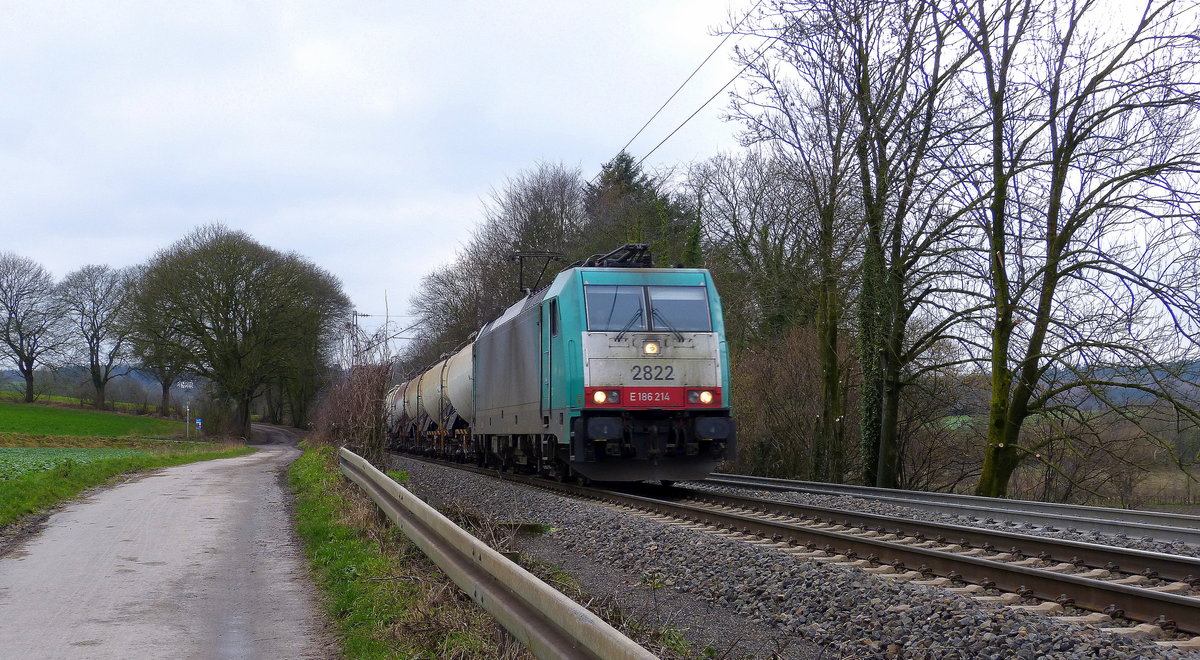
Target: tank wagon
{"x":616,"y":371}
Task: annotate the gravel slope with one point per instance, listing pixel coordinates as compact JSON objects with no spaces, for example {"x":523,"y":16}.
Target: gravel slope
{"x":751,"y":599}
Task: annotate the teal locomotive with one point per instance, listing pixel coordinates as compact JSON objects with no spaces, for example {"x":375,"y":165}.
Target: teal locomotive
{"x":616,"y":371}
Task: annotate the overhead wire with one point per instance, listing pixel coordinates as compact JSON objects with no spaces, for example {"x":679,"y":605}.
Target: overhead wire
{"x":692,"y":75}
{"x":759,"y":53}
{"x":718,"y":47}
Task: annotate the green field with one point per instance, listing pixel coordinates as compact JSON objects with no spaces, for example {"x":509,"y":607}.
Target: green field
{"x":49,"y":454}
{"x":33,"y":419}
{"x":15,"y":461}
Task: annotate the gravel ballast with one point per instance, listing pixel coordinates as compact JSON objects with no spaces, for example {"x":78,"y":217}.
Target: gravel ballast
{"x":743,"y":598}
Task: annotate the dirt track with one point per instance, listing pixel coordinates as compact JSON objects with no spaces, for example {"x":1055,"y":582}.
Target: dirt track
{"x":195,"y":561}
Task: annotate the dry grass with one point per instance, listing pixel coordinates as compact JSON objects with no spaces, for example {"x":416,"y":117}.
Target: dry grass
{"x":387,"y":598}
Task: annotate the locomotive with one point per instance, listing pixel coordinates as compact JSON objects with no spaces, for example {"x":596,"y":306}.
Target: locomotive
{"x":615,"y":371}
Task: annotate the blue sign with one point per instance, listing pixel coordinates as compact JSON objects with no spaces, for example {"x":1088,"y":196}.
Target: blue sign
{"x":198,"y":423}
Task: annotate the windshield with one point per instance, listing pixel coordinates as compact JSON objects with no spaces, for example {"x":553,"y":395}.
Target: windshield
{"x":615,"y":308}
{"x":621,"y":308}
{"x":680,"y":308}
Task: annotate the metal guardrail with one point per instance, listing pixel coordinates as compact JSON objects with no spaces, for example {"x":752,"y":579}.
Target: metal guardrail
{"x":547,"y":622}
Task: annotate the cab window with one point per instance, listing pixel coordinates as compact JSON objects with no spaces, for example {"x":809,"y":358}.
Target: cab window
{"x":679,"y":308}
{"x":615,"y":308}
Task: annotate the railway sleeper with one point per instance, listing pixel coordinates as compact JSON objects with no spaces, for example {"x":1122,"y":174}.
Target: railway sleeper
{"x":1004,"y":599}
{"x":1048,"y":608}
{"x":1096,"y":573}
{"x":1173,"y":588}
{"x":1092,"y":618}
{"x":935,"y":582}
{"x":1187,"y":644}
{"x":1140,"y":631}
{"x":1133,"y":580}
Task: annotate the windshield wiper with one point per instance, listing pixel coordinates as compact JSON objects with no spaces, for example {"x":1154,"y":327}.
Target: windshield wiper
{"x":633,"y":319}
{"x":660,"y":317}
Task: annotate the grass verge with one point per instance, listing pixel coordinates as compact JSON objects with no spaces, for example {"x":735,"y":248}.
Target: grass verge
{"x":37,"y":491}
{"x":386,"y":598}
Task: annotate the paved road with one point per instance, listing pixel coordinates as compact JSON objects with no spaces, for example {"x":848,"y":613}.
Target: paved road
{"x":194,"y":561}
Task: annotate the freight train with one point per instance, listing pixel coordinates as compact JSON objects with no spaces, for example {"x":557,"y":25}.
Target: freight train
{"x":615,"y":371}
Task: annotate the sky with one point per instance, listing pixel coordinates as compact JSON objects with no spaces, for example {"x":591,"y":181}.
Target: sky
{"x":365,"y":136}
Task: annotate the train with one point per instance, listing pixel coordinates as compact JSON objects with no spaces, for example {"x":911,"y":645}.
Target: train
{"x":615,"y":371}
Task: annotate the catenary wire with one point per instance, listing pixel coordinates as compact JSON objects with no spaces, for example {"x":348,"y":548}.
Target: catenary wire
{"x":692,"y":75}
{"x":761,"y":50}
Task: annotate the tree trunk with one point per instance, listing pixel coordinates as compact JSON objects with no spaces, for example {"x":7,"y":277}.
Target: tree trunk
{"x":887,"y":472}
{"x":1000,"y":456}
{"x":1000,"y":461}
{"x":100,"y":396}
{"x":241,"y":417}
{"x":164,"y":404}
{"x":870,"y":347}
{"x":830,"y":466}
{"x":98,"y":383}
{"x":832,"y":407}
{"x":25,"y":368}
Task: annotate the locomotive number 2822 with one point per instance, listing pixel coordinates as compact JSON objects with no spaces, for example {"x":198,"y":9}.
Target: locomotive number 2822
{"x":653,"y":372}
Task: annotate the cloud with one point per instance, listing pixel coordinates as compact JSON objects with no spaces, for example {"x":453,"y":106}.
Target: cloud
{"x":362,"y":135}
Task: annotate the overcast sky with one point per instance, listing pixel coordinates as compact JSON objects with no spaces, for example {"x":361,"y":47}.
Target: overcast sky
{"x":364,"y":136}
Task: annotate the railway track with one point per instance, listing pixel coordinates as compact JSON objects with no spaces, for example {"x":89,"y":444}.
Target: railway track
{"x":1142,"y":586}
{"x":1157,"y":525}
{"x":1041,"y":574}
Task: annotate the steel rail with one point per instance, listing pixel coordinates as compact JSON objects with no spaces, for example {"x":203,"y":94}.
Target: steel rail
{"x":1087,"y":593}
{"x":1159,"y":525}
{"x":547,"y":622}
{"x":1135,"y":603}
{"x":1127,"y":560}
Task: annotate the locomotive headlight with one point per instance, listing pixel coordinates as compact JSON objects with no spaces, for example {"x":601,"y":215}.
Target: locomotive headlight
{"x":706,"y":397}
{"x":651,"y":348}
{"x":606,"y":396}
{"x":700,"y":396}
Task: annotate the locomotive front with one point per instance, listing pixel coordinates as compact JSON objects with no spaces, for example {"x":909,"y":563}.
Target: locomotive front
{"x":655,"y":400}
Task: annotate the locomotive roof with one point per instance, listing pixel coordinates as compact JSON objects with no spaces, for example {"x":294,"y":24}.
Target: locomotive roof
{"x":601,"y":275}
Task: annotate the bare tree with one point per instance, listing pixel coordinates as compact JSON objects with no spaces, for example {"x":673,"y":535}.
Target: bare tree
{"x":30,"y":321}
{"x":538,"y":210}
{"x":1086,"y":200}
{"x":95,"y":299}
{"x":862,"y":90}
{"x":779,"y":240}
{"x":759,"y":233}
